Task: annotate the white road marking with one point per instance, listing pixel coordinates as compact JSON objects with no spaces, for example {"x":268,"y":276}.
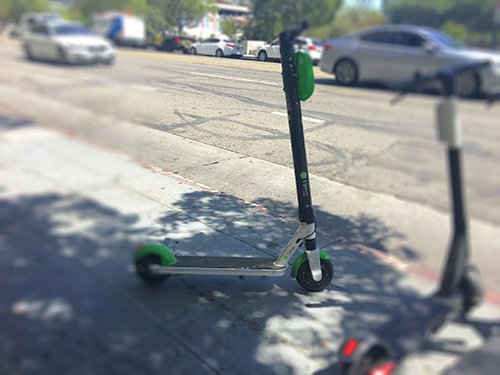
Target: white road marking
{"x":236,"y":79}
{"x":310,"y":119}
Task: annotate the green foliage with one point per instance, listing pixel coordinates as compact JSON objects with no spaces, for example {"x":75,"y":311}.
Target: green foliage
{"x":89,"y":7}
{"x":351,"y":19}
{"x":469,"y":20}
{"x":230,"y":28}
{"x":176,"y":13}
{"x":473,"y":14}
{"x":272,"y":16}
{"x":11,"y":10}
{"x":457,"y":30}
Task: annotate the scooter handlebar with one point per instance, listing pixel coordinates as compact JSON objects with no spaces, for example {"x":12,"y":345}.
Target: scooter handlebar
{"x":457,"y":69}
{"x":492,"y":99}
{"x":291,"y":34}
{"x":442,"y":75}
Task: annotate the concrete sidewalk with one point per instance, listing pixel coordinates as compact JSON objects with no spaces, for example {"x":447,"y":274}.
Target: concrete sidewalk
{"x":70,"y":217}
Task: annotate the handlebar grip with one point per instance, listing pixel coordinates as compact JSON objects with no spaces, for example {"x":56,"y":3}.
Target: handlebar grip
{"x":457,"y":69}
{"x":291,"y":34}
{"x":492,"y":99}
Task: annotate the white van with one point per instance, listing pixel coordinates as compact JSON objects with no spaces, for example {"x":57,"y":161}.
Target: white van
{"x":121,"y":28}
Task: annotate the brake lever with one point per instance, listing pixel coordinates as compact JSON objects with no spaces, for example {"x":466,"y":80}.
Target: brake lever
{"x":490,"y":102}
{"x":405,"y":88}
{"x":399,"y":97}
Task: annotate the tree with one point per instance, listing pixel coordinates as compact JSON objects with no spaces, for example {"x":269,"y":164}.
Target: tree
{"x":474,"y":15}
{"x":229,"y":27}
{"x":178,"y":13}
{"x":11,"y":10}
{"x":270,"y":17}
{"x":87,"y":8}
{"x":353,"y":18}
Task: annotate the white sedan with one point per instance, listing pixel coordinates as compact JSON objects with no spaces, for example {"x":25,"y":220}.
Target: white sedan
{"x":271,"y":51}
{"x":67,"y":43}
{"x":217,"y":47}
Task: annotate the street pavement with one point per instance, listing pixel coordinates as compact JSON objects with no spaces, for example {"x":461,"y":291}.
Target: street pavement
{"x":71,"y":214}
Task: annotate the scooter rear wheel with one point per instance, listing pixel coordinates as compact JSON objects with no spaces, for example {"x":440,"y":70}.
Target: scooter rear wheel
{"x":306,"y":281}
{"x":144,"y":272}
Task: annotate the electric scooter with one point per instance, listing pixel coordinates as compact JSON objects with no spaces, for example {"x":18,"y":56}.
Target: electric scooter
{"x":460,"y":288}
{"x":312,"y":269}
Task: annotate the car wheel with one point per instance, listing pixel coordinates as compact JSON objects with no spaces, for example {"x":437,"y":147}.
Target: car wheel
{"x":192,"y":51}
{"x":62,"y":57}
{"x":346,"y":72}
{"x":219,"y":53}
{"x":467,"y":84}
{"x":262,"y":56}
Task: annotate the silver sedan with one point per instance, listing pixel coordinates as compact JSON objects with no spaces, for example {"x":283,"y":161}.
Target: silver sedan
{"x":393,"y":53}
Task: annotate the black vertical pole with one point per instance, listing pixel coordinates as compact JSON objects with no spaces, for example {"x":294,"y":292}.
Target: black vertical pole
{"x":289,"y":75}
{"x":459,"y":249}
{"x":458,"y":252}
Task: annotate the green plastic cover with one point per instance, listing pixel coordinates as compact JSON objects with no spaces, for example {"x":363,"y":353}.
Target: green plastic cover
{"x":305,"y":75}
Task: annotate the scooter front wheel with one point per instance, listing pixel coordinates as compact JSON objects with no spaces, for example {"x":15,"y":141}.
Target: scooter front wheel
{"x":306,"y":281}
{"x":143,"y":270}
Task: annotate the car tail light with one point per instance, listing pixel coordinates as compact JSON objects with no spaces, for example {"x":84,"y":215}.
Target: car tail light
{"x":326,"y":47}
{"x":177,"y":40}
{"x":350,"y":347}
{"x":229,"y":44}
{"x":383,"y":369}
{"x":311,"y":48}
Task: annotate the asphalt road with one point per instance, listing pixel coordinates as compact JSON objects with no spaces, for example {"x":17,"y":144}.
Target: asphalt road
{"x":354,"y":136}
{"x":222,"y":123}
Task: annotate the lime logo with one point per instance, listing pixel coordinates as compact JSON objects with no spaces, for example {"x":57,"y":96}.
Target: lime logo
{"x":303,"y":175}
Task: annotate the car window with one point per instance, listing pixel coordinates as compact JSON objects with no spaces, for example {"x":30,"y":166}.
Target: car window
{"x":71,"y":29}
{"x":206,"y":41}
{"x":383,"y":37}
{"x":39,"y":29}
{"x":275,"y":42}
{"x":445,"y":39}
{"x":408,"y":39}
{"x":299,"y":42}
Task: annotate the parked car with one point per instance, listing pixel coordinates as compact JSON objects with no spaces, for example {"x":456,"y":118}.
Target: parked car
{"x":66,"y":42}
{"x":271,"y":51}
{"x":217,"y":47}
{"x":121,"y":28}
{"x":393,"y":53}
{"x":164,"y":40}
{"x":28,"y":19}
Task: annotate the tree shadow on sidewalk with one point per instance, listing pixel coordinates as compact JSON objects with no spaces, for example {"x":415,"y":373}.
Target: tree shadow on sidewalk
{"x":71,"y":303}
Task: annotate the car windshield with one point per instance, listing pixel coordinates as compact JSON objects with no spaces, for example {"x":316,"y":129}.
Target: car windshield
{"x":228,"y":41}
{"x":446,"y":40}
{"x":71,"y":29}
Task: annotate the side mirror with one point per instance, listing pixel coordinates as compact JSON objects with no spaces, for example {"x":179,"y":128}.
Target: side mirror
{"x":305,"y":75}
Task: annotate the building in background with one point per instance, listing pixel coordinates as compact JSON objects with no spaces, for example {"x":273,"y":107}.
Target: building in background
{"x":210,"y":24}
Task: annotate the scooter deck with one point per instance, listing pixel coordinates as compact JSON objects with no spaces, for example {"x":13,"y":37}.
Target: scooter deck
{"x":482,"y":361}
{"x":407,"y":330}
{"x":236,"y":266}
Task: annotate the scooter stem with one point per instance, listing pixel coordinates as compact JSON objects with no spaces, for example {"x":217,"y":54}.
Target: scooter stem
{"x":450,"y":133}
